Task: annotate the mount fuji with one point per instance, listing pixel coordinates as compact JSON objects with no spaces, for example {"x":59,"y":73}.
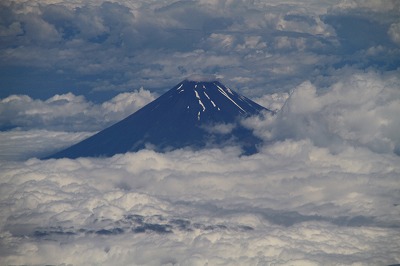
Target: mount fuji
{"x":193,"y":114}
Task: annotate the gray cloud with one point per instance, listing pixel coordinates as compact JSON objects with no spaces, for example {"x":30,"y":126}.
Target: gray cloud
{"x":69,"y":112}
{"x":360,"y":110}
{"x":209,"y":206}
{"x":18,"y":145}
{"x":323,"y":189}
{"x":263,"y":46}
{"x":394,"y":32}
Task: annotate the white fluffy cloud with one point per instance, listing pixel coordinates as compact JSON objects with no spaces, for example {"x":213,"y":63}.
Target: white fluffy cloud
{"x":360,"y":109}
{"x":210,"y":206}
{"x":322,"y":190}
{"x":68,"y":112}
{"x":24,"y":144}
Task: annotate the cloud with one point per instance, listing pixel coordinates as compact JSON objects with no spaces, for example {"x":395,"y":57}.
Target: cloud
{"x":97,"y":46}
{"x":394,"y":32}
{"x":198,"y":77}
{"x":326,"y":180}
{"x":220,"y":128}
{"x":323,"y":189}
{"x":357,"y":110}
{"x":68,"y":112}
{"x":371,"y":5}
{"x":19,"y":145}
{"x":211,"y":206}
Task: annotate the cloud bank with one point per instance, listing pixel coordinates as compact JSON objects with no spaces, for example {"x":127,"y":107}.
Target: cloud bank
{"x":322,"y":190}
{"x":293,"y":204}
{"x":359,"y":110}
{"x":68,"y":112}
{"x":95,"y":47}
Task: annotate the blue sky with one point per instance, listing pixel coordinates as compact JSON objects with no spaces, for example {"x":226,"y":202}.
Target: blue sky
{"x":101,"y":48}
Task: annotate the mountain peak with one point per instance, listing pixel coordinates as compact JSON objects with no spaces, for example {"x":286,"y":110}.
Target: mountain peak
{"x":182,"y":117}
{"x":215,"y":98}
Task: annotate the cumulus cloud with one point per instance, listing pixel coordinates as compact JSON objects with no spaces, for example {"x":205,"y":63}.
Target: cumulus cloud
{"x":210,"y":206}
{"x":266,"y":46}
{"x":323,"y":189}
{"x":68,"y":112}
{"x":326,"y":180}
{"x":359,"y":110}
{"x":21,"y":145}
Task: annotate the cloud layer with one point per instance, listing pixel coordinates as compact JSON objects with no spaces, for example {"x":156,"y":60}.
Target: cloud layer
{"x":361,"y":109}
{"x":68,"y":112}
{"x":292,"y":204}
{"x":322,"y":190}
{"x":89,"y":47}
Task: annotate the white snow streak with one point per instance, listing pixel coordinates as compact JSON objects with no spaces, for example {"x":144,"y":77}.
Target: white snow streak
{"x":197,"y":95}
{"x":208,"y":97}
{"x":198,"y":116}
{"x":200,"y":102}
{"x":202,"y":105}
{"x":179,"y":87}
{"x":227,"y":96}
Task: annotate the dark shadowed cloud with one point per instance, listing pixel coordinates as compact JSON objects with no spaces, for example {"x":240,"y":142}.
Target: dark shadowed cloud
{"x":100,"y":48}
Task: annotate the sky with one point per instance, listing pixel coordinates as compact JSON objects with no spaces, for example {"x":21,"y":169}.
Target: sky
{"x":100,"y":48}
{"x":324,"y":188}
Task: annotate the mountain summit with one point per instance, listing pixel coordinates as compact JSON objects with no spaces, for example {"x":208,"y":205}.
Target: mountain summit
{"x":193,"y":114}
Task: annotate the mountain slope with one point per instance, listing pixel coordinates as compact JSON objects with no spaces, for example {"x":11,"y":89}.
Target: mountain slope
{"x":193,"y":113}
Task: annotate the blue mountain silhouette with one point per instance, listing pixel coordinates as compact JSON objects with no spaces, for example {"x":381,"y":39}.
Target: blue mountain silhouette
{"x":194,"y":114}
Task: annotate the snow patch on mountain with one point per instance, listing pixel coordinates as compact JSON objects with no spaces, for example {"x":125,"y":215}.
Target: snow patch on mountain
{"x":227,"y":96}
{"x":175,"y":120}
